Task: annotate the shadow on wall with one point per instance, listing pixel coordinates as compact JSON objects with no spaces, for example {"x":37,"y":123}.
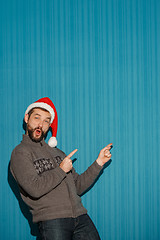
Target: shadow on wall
{"x":24,"y":208}
{"x":105,"y":166}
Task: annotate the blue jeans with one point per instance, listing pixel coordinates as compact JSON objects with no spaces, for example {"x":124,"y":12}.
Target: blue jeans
{"x":80,"y":228}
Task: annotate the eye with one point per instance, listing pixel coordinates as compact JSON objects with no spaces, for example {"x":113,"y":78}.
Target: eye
{"x":47,"y":121}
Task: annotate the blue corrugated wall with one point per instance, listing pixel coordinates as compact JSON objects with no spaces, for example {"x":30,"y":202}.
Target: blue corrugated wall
{"x":99,"y":61}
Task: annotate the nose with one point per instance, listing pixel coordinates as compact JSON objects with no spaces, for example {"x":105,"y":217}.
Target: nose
{"x":40,"y":124}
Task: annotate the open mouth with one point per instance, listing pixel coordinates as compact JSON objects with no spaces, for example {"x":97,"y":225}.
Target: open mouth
{"x":38,"y":132}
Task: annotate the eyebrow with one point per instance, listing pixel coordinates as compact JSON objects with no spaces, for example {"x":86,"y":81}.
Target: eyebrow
{"x":40,"y":116}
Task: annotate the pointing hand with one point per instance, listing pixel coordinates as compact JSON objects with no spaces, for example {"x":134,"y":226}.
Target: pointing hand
{"x":66,"y":164}
{"x":104,"y":155}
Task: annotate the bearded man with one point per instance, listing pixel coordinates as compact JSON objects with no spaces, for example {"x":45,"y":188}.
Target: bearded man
{"x":47,"y":181}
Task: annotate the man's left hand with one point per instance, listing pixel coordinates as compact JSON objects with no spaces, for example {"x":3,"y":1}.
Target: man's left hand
{"x":104,"y":155}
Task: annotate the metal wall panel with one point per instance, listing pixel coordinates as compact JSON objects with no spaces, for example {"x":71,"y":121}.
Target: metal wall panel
{"x":99,"y":61}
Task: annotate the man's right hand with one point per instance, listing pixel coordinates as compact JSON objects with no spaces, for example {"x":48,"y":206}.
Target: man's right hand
{"x":66,"y":164}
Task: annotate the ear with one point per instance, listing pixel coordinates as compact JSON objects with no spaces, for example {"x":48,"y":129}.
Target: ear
{"x":26,"y":118}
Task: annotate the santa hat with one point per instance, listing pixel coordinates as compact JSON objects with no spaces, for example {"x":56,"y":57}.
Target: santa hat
{"x":48,"y":105}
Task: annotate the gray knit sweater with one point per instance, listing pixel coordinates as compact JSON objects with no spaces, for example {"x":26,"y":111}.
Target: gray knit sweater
{"x":48,"y":191}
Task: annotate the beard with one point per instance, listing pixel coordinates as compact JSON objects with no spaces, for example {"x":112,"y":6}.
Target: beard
{"x":31,"y":131}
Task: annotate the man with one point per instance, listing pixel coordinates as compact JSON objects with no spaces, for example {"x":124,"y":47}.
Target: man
{"x":48,"y":183}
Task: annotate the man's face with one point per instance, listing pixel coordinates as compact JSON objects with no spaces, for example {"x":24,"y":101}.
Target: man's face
{"x":37,"y":124}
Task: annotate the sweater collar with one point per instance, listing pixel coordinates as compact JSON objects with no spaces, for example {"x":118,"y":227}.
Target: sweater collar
{"x":28,"y":140}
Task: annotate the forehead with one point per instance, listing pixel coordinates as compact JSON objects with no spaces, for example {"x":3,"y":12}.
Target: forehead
{"x":41,"y":112}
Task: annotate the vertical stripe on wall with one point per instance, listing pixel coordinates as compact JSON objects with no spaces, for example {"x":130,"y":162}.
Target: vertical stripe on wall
{"x":99,"y":61}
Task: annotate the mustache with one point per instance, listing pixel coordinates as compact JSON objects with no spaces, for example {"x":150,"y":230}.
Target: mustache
{"x":36,"y":128}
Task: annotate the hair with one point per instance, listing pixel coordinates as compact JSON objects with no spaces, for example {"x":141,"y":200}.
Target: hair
{"x":32,"y":110}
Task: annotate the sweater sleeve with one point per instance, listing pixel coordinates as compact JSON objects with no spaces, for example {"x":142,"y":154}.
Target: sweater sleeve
{"x":25,"y":174}
{"x":86,"y":179}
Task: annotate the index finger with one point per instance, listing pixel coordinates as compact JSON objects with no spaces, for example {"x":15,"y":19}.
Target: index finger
{"x":108,"y":147}
{"x":72,"y":153}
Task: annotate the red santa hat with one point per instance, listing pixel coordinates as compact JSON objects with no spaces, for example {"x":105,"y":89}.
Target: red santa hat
{"x":48,"y":105}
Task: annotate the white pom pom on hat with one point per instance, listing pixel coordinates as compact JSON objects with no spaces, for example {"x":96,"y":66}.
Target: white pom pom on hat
{"x":48,"y":105}
{"x":52,"y":142}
